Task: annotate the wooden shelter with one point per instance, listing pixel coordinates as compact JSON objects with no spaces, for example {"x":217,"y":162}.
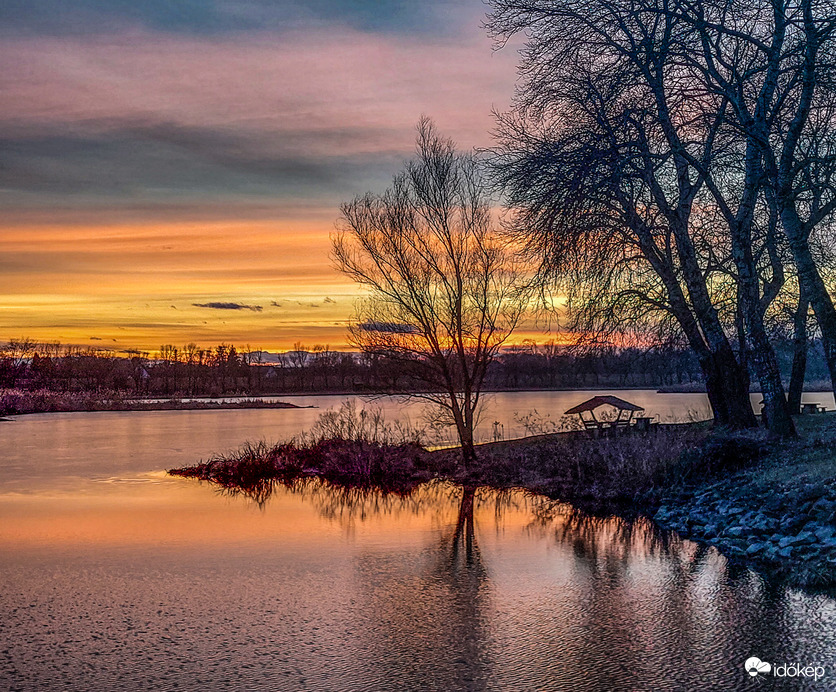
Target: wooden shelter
{"x":590,"y":405}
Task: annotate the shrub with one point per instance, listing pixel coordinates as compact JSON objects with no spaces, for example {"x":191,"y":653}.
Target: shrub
{"x":346,"y":446}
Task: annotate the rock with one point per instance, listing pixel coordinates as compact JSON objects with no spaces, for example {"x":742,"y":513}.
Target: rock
{"x":828,"y":543}
{"x":824,"y":506}
{"x":754,"y":549}
{"x":823,"y":533}
{"x":747,"y":518}
{"x":770,"y":554}
{"x":735,"y":531}
{"x":736,"y":545}
{"x":795,"y":540}
{"x":698,"y":518}
{"x":762,"y":524}
{"x":811,"y":491}
{"x":792,"y":522}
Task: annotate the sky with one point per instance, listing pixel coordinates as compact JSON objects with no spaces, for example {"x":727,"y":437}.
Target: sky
{"x":170,"y":172}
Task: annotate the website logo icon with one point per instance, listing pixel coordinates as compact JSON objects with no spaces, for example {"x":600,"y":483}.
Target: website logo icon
{"x":754,"y":666}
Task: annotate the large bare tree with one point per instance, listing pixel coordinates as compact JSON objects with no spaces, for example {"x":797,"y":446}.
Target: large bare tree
{"x":620,"y":113}
{"x":772,"y":60}
{"x":600,"y":185}
{"x":445,"y":290}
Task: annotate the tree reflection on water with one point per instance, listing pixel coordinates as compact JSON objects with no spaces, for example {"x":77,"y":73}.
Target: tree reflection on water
{"x":596,"y":602}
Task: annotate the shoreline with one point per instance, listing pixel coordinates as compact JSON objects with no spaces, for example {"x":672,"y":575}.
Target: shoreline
{"x":777,"y":515}
{"x":769,"y":506}
{"x":19,"y":402}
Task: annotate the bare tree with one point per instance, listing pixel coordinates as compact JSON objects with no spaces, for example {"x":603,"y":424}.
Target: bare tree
{"x":647,"y":150}
{"x":773,"y":62}
{"x":602,"y":186}
{"x":14,"y":356}
{"x":445,"y":291}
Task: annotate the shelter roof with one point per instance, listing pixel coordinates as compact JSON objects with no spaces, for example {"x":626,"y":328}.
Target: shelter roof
{"x":596,"y":401}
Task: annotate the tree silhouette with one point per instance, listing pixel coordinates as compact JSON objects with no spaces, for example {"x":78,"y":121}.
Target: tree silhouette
{"x":445,"y":291}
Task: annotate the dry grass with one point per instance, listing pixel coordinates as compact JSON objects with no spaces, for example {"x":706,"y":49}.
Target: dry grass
{"x":625,"y":469}
{"x":813,"y":455}
{"x":356,"y":447}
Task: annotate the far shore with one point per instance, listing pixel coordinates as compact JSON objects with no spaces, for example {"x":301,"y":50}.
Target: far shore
{"x":21,"y":406}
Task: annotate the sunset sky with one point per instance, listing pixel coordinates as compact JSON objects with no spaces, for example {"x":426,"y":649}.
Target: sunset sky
{"x":171,"y":171}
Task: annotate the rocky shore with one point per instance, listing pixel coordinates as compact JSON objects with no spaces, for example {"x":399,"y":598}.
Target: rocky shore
{"x":787,"y":530}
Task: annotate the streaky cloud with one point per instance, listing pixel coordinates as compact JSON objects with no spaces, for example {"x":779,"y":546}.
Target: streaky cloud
{"x":388,"y":328}
{"x":228,"y":306}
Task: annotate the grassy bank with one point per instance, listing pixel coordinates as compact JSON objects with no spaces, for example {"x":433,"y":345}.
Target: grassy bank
{"x":15,"y":402}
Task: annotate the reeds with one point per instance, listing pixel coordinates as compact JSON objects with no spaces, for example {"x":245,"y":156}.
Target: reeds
{"x":356,"y":447}
{"x":627,"y":469}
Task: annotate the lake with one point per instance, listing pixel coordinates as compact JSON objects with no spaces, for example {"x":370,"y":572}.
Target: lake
{"x":116,"y":576}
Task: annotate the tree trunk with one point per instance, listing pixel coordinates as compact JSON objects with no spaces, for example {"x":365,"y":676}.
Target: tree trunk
{"x":464,"y":429}
{"x":468,"y":452}
{"x":751,"y":304}
{"x":799,"y":355}
{"x":465,"y":524}
{"x":726,"y":382}
{"x":777,"y":412}
{"x":727,"y":386}
{"x":732,"y":380}
{"x":816,"y":292}
{"x":778,"y":417}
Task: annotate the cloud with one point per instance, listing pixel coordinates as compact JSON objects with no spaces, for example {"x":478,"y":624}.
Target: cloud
{"x":166,"y":162}
{"x":147,"y":117}
{"x":196,"y":17}
{"x":228,"y":131}
{"x":228,"y":306}
{"x":388,"y":328}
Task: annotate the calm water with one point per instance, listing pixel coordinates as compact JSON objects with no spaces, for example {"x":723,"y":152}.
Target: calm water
{"x":116,"y":576}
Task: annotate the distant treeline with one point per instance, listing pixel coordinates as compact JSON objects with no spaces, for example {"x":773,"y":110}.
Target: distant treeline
{"x":225,"y":369}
